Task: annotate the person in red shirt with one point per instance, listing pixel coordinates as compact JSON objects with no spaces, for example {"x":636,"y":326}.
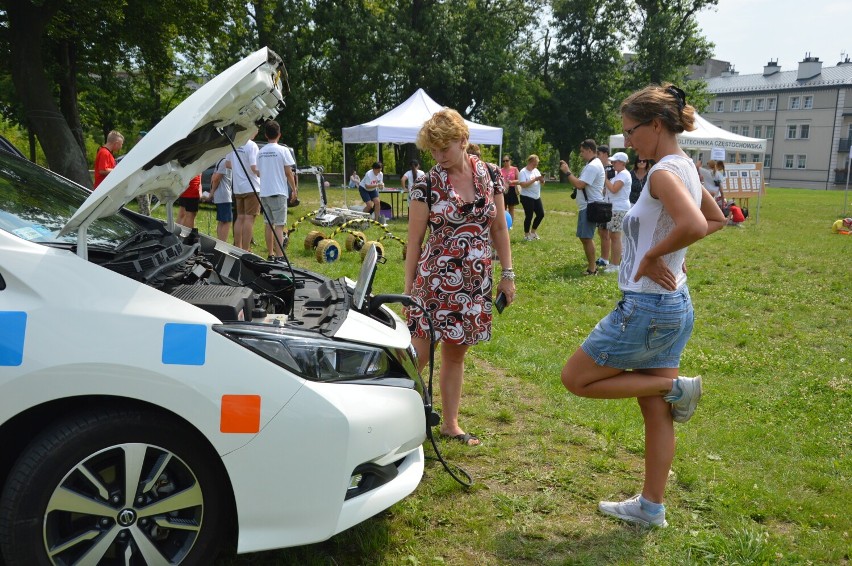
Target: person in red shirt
{"x":736,"y":217}
{"x":105,"y":158}
{"x":188,"y":201}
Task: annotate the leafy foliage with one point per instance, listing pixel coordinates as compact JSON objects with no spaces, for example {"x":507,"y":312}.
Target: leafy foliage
{"x":580,"y":73}
{"x":545,"y":70}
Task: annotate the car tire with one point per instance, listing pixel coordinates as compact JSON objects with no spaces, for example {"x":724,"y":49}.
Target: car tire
{"x":67,"y":498}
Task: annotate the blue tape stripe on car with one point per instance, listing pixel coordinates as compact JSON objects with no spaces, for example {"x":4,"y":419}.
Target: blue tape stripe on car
{"x":184,"y":344}
{"x":13,"y":329}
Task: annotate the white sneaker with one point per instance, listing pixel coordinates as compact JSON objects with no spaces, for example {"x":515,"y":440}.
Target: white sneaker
{"x":535,"y":236}
{"x":529,"y":237}
{"x":690,"y":393}
{"x":632,"y":512}
{"x":611,"y":268}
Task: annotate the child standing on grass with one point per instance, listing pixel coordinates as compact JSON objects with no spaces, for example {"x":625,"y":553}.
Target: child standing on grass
{"x":635,"y":350}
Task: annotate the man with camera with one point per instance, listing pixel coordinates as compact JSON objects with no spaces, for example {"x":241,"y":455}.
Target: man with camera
{"x":590,"y":184}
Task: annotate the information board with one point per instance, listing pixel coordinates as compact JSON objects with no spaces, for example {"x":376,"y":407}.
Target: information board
{"x":743,"y":180}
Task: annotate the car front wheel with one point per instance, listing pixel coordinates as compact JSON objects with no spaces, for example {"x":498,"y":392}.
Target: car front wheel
{"x":113,"y":487}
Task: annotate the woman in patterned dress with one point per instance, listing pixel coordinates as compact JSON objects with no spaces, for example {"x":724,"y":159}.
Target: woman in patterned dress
{"x":460,"y":200}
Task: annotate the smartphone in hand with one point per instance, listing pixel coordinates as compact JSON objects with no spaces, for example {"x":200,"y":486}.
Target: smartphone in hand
{"x":500,"y":302}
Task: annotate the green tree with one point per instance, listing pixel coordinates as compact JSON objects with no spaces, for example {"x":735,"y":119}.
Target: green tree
{"x":580,"y":73}
{"x":99,"y":66}
{"x":666,"y":40}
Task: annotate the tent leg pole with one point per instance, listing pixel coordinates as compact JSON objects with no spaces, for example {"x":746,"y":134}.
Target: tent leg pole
{"x":345,"y":180}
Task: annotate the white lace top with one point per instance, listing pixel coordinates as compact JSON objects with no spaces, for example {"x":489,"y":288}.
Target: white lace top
{"x":647,"y":222}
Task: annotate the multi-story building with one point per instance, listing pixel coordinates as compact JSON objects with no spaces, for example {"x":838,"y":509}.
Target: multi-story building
{"x":805,"y":114}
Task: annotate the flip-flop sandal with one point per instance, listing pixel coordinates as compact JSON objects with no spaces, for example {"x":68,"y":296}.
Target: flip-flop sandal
{"x":464,"y":438}
{"x":587,"y":272}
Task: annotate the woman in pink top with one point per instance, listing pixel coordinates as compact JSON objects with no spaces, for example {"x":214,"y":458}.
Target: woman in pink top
{"x":510,"y":179}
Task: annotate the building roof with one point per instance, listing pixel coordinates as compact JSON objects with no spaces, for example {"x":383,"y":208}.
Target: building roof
{"x":783,"y":80}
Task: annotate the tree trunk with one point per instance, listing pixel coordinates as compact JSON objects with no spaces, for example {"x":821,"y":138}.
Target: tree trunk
{"x":66,"y":54}
{"x":27,"y":23}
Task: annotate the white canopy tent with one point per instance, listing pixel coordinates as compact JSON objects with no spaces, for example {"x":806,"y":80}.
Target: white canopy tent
{"x":706,"y":136}
{"x":402,"y":124}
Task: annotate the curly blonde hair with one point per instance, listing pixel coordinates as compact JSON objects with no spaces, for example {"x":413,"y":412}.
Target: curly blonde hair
{"x":445,"y":126}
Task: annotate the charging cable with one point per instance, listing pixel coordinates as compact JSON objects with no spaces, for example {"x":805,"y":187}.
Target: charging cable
{"x":432,"y":418}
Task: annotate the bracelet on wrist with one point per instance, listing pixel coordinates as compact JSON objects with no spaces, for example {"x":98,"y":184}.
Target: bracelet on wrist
{"x":508,"y":274}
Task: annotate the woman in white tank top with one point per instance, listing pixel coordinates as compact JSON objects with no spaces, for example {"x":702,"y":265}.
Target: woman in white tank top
{"x":635,"y":350}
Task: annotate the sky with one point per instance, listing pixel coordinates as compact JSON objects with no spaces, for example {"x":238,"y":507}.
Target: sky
{"x":748,"y":33}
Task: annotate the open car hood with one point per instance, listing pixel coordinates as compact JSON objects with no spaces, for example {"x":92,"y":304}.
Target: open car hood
{"x":188,"y":139}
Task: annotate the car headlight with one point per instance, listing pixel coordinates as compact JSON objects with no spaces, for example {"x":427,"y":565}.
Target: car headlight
{"x":315,"y":357}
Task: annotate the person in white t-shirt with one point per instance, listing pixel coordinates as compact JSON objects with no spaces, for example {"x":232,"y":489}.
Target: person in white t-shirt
{"x":371,"y":183}
{"x":277,"y":186}
{"x":590,"y":185}
{"x":221,"y":196}
{"x":530,"y":180}
{"x":617,"y":193}
{"x":243,"y":161}
{"x":411,"y":176}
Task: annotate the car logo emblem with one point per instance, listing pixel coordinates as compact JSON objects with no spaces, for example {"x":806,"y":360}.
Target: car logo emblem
{"x":126,"y":517}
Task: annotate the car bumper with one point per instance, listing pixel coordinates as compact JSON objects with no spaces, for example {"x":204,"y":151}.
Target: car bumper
{"x":291,"y":481}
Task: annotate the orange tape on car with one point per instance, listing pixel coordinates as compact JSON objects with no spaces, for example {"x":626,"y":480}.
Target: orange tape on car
{"x":240,"y":414}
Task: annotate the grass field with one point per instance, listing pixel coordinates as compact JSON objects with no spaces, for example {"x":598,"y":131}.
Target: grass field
{"x":763,"y":472}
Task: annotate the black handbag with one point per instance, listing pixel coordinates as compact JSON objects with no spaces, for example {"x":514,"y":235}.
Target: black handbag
{"x":598,"y":211}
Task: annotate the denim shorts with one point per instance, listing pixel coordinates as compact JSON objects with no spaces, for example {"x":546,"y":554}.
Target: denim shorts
{"x":585,"y":229}
{"x":224,"y":212}
{"x":645,"y":330}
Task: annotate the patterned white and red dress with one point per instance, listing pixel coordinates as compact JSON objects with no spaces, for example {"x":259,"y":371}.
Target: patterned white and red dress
{"x":453,"y":277}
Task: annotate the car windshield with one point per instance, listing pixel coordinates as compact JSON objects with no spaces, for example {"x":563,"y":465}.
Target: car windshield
{"x":35,"y":204}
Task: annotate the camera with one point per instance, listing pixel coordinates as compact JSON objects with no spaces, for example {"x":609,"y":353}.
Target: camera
{"x":574,"y":193}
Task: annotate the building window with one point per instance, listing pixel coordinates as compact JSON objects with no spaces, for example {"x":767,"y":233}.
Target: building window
{"x":767,"y":161}
{"x":759,"y":104}
{"x":735,"y":129}
{"x":795,"y":103}
{"x":758,"y":131}
{"x":770,"y":131}
{"x":804,"y":131}
{"x":732,"y":158}
{"x":788,"y":161}
{"x":744,"y":131}
{"x":801,"y":161}
{"x":755,"y":157}
{"x":808,"y":102}
{"x":735,"y":106}
{"x":791,"y":132}
{"x":720,"y":106}
{"x":747,"y":105}
{"x":770,"y":104}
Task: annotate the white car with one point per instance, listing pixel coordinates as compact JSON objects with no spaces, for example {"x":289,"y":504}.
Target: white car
{"x":164,"y":393}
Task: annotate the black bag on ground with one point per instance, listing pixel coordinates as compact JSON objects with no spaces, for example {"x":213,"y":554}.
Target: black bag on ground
{"x":599,"y":212}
